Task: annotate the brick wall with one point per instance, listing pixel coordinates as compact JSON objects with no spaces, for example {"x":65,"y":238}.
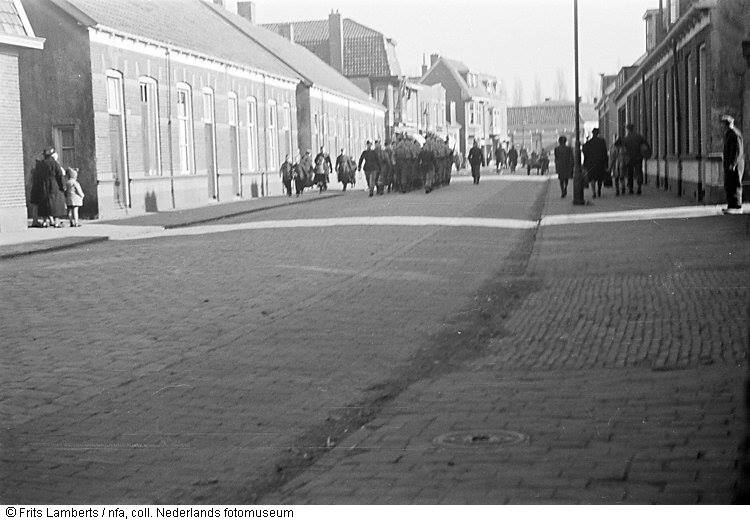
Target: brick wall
{"x":11,"y":167}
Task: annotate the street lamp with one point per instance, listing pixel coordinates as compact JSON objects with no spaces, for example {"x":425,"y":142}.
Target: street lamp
{"x":577,"y":176}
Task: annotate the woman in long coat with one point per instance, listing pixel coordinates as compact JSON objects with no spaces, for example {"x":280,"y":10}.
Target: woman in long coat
{"x":618,"y":158}
{"x":564,"y":164}
{"x":48,"y":190}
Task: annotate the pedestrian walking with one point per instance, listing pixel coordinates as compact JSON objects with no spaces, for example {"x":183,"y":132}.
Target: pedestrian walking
{"x":734,"y":165}
{"x":499,"y":158}
{"x":618,"y":158}
{"x":512,"y":159}
{"x":595,"y":162}
{"x":305,"y":173}
{"x":372,"y":166}
{"x":344,"y":170}
{"x":286,"y":175}
{"x":637,"y":150}
{"x":563,"y":164}
{"x":47,"y":191}
{"x":523,"y":157}
{"x":323,"y":169}
{"x":476,"y":159}
{"x":427,"y":167}
{"x":73,"y":197}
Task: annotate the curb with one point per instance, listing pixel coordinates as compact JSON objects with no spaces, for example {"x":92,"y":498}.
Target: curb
{"x":57,"y":247}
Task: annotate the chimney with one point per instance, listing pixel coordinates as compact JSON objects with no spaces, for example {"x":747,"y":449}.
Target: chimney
{"x":433,"y":59}
{"x":246,"y":9}
{"x":287,"y":31}
{"x":654,"y":32}
{"x":336,"y":41}
{"x":424,"y":64}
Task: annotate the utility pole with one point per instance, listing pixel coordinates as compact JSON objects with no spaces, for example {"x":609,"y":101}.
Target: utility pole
{"x":577,"y":176}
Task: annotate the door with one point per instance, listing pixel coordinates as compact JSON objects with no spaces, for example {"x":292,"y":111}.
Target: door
{"x":209,"y":132}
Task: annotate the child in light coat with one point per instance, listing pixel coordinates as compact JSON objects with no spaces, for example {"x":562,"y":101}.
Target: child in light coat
{"x":73,"y":196}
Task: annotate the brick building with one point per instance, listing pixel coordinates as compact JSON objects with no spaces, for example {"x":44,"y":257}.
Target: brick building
{"x":365,"y":56}
{"x":165,"y":104}
{"x":694,"y":70}
{"x":479,"y":100}
{"x":539,"y":126}
{"x":16,"y":34}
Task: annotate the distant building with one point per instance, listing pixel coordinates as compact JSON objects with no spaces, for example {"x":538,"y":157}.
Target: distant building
{"x":695,"y":69}
{"x":423,"y":108}
{"x":539,"y":127}
{"x":607,"y":109}
{"x":16,"y":34}
{"x":176,"y":103}
{"x":365,"y":56}
{"x":476,"y":102}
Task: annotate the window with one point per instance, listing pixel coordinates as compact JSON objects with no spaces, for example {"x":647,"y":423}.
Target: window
{"x":690,"y":120}
{"x":114,"y":94}
{"x":232,"y":109}
{"x":64,"y":138}
{"x":273,"y":135}
{"x":674,"y":11}
{"x":287,"y":127}
{"x":252,"y":134}
{"x":185,"y":127}
{"x":150,"y":126}
{"x":209,"y":107}
{"x":702,"y":122}
{"x":472,"y":115}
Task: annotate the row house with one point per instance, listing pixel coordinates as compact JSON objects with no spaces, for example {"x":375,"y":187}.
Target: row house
{"x":695,"y":70}
{"x":162,"y":105}
{"x":480,"y":106}
{"x":16,"y":35}
{"x":538,"y":127}
{"x":332,"y":112}
{"x":423,"y":108}
{"x":363,"y":55}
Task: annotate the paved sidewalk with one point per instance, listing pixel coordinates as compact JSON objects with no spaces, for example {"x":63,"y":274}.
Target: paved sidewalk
{"x":619,"y":379}
{"x":35,"y":240}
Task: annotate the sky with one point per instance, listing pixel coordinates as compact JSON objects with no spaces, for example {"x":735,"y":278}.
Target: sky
{"x":522,"y":42}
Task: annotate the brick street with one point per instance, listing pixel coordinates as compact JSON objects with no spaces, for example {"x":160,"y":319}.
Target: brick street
{"x":585,"y":363}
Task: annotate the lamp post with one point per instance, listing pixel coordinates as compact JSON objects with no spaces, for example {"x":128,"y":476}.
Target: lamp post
{"x":577,"y":176}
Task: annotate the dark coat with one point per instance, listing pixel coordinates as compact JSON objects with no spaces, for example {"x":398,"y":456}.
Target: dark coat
{"x":595,"y":158}
{"x":734,"y":151}
{"x":564,"y":162}
{"x":48,"y":188}
{"x":476,"y":157}
{"x":370,"y":158}
{"x":513,"y":155}
{"x":633,"y":142}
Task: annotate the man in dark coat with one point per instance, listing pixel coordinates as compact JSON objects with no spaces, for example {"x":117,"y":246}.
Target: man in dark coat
{"x":427,"y":167}
{"x":512,"y":158}
{"x":734,"y":165}
{"x":635,"y":145}
{"x":372,"y":166}
{"x":48,"y":190}
{"x":286,"y":175}
{"x":563,"y":164}
{"x":596,"y":161}
{"x":476,"y":159}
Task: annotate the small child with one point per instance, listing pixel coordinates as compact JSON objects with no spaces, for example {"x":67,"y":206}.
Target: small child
{"x":73,"y":196}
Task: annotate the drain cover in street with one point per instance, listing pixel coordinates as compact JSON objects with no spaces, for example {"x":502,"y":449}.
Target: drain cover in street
{"x":480,"y":439}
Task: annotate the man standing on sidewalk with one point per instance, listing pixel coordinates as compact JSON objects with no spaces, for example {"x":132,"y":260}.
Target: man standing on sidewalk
{"x":637,"y":147}
{"x":563,"y":164}
{"x":734,"y":165}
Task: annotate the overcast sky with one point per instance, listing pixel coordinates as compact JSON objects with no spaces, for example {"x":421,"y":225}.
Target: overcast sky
{"x":520,"y":41}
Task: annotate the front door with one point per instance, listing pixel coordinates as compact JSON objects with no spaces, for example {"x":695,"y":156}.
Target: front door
{"x":118,"y":152}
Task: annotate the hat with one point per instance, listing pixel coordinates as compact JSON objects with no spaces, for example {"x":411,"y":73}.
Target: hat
{"x":49,"y":151}
{"x":368,"y":142}
{"x":729,"y":119}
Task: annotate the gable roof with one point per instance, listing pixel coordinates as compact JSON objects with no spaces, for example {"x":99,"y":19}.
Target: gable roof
{"x":458,"y":70}
{"x":551,"y":113}
{"x":15,"y":28}
{"x":311,"y":68}
{"x":367,"y":52}
{"x":186,"y":24}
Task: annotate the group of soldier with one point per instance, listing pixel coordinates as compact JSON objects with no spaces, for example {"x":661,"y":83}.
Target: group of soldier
{"x":399,"y":165}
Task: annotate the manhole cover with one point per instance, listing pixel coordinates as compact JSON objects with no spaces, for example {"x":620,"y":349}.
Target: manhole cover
{"x":480,"y":439}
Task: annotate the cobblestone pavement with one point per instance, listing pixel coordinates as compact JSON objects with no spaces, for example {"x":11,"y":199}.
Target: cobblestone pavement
{"x":599,"y":363}
{"x":618,"y":380}
{"x":185,"y":370}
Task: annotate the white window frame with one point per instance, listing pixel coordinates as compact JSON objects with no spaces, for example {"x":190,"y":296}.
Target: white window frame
{"x":185,"y":142}
{"x":252,"y":134}
{"x":115,"y":97}
{"x":152,"y":101}
{"x":233,"y":116}
{"x":286,"y":110}
{"x":272,"y":131}
{"x":208,"y":99}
